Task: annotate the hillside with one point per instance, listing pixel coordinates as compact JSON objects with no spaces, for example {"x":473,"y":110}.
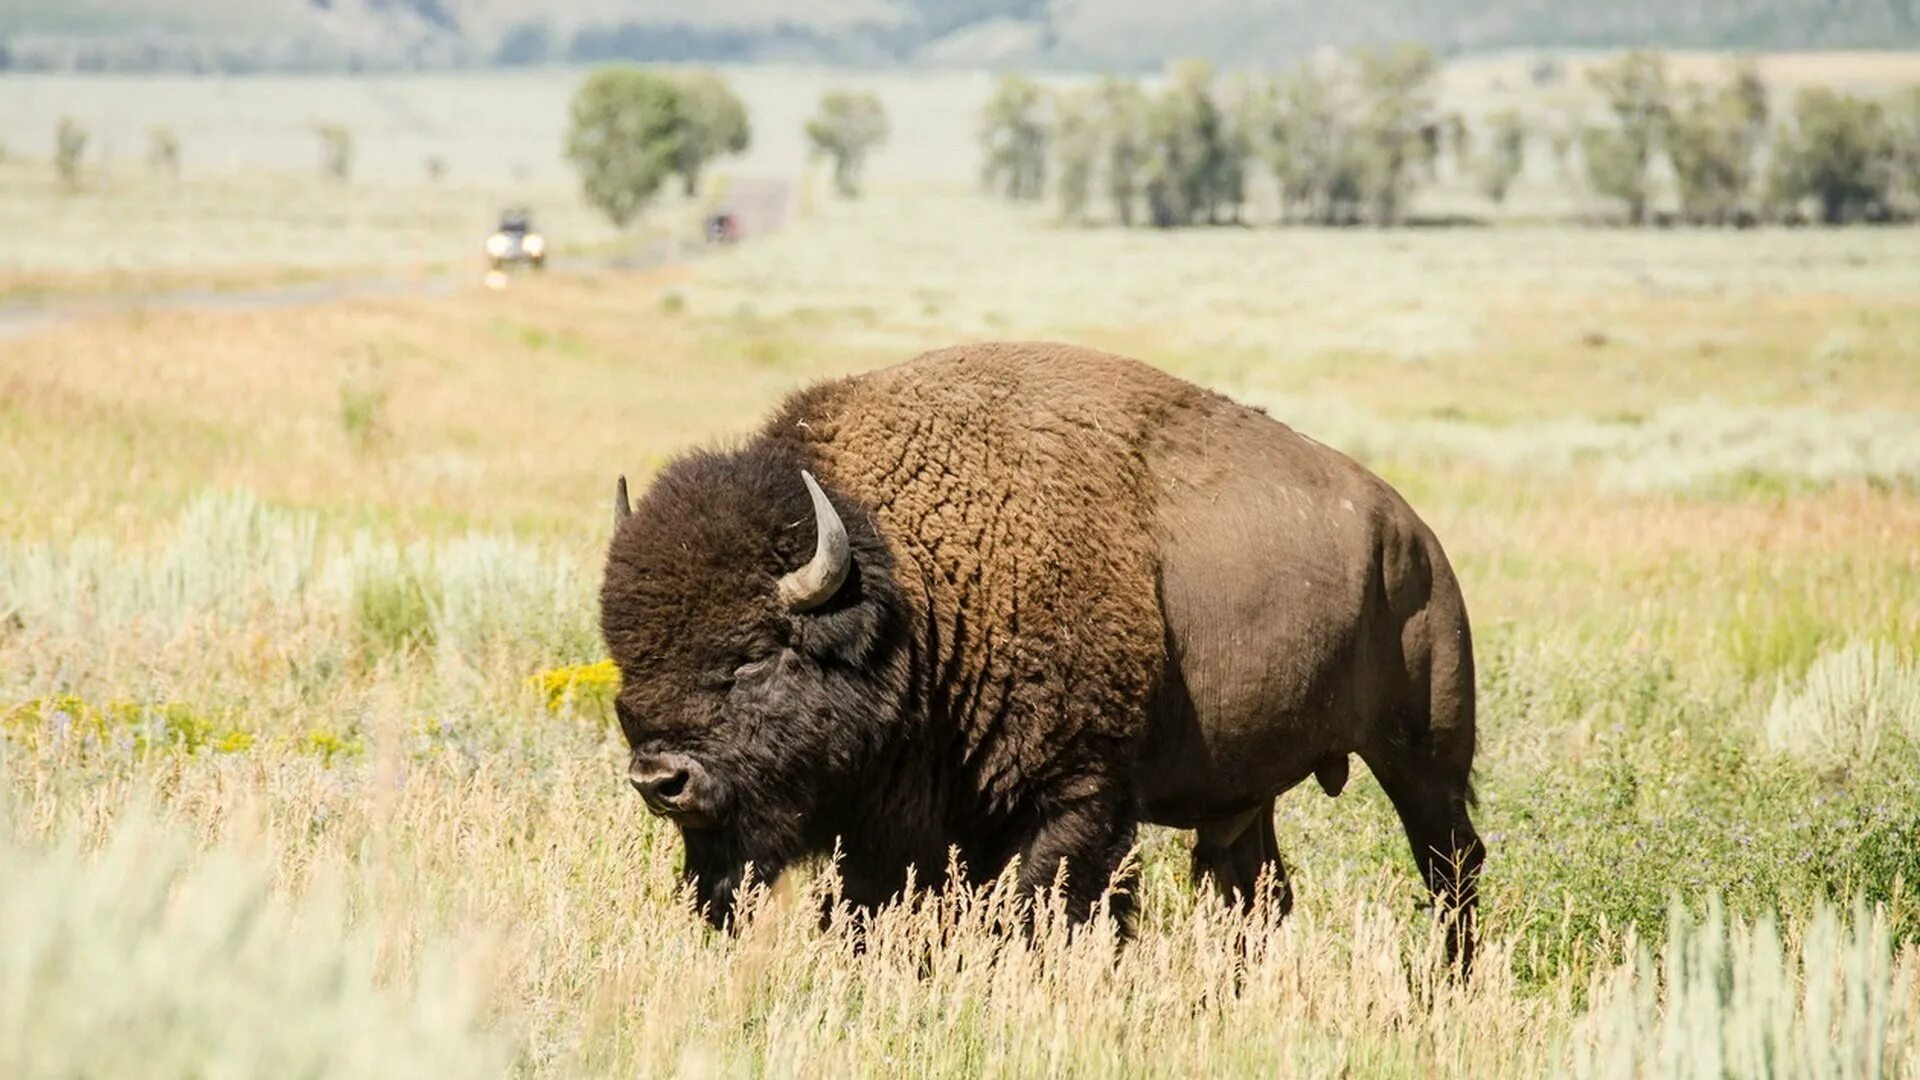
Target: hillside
{"x":235,"y":34}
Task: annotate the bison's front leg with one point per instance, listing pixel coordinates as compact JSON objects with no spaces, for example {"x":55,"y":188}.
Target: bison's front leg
{"x":1088,"y":833}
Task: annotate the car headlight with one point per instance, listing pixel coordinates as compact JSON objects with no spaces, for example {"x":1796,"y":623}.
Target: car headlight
{"x":534,"y":244}
{"x":497,"y":245}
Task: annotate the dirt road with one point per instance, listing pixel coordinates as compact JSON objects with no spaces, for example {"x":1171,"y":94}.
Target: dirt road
{"x":760,"y":205}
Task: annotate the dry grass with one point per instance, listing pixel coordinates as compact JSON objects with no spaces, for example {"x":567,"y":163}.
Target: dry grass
{"x":324,"y":686}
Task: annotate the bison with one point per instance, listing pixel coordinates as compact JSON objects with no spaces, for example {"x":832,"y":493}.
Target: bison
{"x":1014,"y":599}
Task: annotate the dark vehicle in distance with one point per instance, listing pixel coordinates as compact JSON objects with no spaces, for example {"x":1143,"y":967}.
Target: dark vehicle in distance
{"x":722,"y":228}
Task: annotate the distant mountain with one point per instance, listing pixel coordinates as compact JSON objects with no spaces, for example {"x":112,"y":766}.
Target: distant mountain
{"x":281,"y":34}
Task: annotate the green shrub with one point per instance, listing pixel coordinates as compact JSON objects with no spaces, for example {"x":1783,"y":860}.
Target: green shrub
{"x":393,"y":602}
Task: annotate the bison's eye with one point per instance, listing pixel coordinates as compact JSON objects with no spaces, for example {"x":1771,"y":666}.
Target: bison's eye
{"x":753,"y":669}
{"x":721,"y":682}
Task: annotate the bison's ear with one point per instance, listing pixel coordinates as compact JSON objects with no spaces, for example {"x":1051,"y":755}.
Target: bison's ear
{"x":815,"y":583}
{"x":850,"y":632}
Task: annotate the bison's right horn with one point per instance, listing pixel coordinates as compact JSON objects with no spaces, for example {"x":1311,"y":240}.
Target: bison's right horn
{"x":815,"y":583}
{"x":622,"y":509}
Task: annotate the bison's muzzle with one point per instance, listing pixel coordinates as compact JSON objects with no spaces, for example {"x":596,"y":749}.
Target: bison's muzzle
{"x":675,"y":787}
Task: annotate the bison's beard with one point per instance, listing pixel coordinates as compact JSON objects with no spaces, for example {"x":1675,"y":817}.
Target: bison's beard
{"x":746,"y":849}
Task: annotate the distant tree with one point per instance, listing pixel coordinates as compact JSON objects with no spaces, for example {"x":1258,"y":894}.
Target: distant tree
{"x":163,"y":152}
{"x":1077,"y":131}
{"x":713,"y":122}
{"x":1247,"y":110}
{"x":1619,"y":158}
{"x":1173,"y":158}
{"x":1214,"y":177}
{"x":1506,"y":154}
{"x":336,"y":150}
{"x":1397,"y":85}
{"x":1903,"y":118}
{"x":1314,"y":148}
{"x":1290,"y":142}
{"x":1433,"y":136}
{"x":1839,"y":151}
{"x":625,"y":138}
{"x":69,"y":148}
{"x":1013,"y":139}
{"x":436,"y":167}
{"x":1459,"y":142}
{"x":1560,"y":142}
{"x":846,"y":128}
{"x":1714,"y":141}
{"x":1124,"y":109}
{"x":1187,"y":155}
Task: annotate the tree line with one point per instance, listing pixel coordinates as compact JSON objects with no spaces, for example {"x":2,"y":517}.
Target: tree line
{"x":1352,"y":139}
{"x":631,"y":132}
{"x":633,"y":129}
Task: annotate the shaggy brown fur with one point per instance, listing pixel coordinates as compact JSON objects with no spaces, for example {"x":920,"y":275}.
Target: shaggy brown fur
{"x":1085,"y":593}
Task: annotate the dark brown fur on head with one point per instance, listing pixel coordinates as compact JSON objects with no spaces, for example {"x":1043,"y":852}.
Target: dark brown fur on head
{"x":783,"y":710}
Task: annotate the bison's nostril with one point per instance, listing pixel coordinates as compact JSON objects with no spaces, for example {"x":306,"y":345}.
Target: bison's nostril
{"x":672,"y":786}
{"x":669,"y":782}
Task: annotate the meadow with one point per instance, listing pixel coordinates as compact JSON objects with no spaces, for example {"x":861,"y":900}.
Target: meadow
{"x":305,"y":756}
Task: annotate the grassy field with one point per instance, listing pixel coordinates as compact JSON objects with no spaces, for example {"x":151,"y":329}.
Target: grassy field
{"x":305,"y":763}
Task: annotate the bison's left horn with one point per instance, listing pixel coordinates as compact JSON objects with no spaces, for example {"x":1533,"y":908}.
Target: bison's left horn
{"x":815,"y":583}
{"x":622,"y":509}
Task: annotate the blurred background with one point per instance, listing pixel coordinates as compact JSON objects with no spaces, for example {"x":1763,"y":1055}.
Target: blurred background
{"x":325,"y":326}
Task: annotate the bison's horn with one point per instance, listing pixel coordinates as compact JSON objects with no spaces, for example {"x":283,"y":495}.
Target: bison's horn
{"x":815,"y":583}
{"x":622,"y":509}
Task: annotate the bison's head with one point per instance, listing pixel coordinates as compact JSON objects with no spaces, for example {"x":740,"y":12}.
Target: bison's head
{"x":755,"y":626}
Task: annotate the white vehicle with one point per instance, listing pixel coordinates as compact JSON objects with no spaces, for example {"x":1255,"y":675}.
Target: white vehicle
{"x":515,"y":241}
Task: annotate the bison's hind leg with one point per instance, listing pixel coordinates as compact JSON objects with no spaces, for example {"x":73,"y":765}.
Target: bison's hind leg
{"x":1432,"y":799}
{"x":1235,"y":852}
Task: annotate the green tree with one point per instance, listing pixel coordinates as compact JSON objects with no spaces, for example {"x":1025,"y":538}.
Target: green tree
{"x":1839,"y":151}
{"x":1247,"y":109}
{"x":1458,"y":138}
{"x":1706,"y":155}
{"x":1123,"y":113}
{"x":1714,"y":141}
{"x":1903,"y":118}
{"x":1314,"y":148}
{"x":1290,"y":142}
{"x":1013,"y":139}
{"x":846,"y":128}
{"x":713,"y":122}
{"x":1507,"y":154}
{"x":1187,"y":156}
{"x":1397,"y":85}
{"x":625,"y":138}
{"x":1560,"y":142}
{"x":69,"y":149}
{"x":336,"y":150}
{"x":1076,"y":142}
{"x":163,"y":152}
{"x":1620,"y":157}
